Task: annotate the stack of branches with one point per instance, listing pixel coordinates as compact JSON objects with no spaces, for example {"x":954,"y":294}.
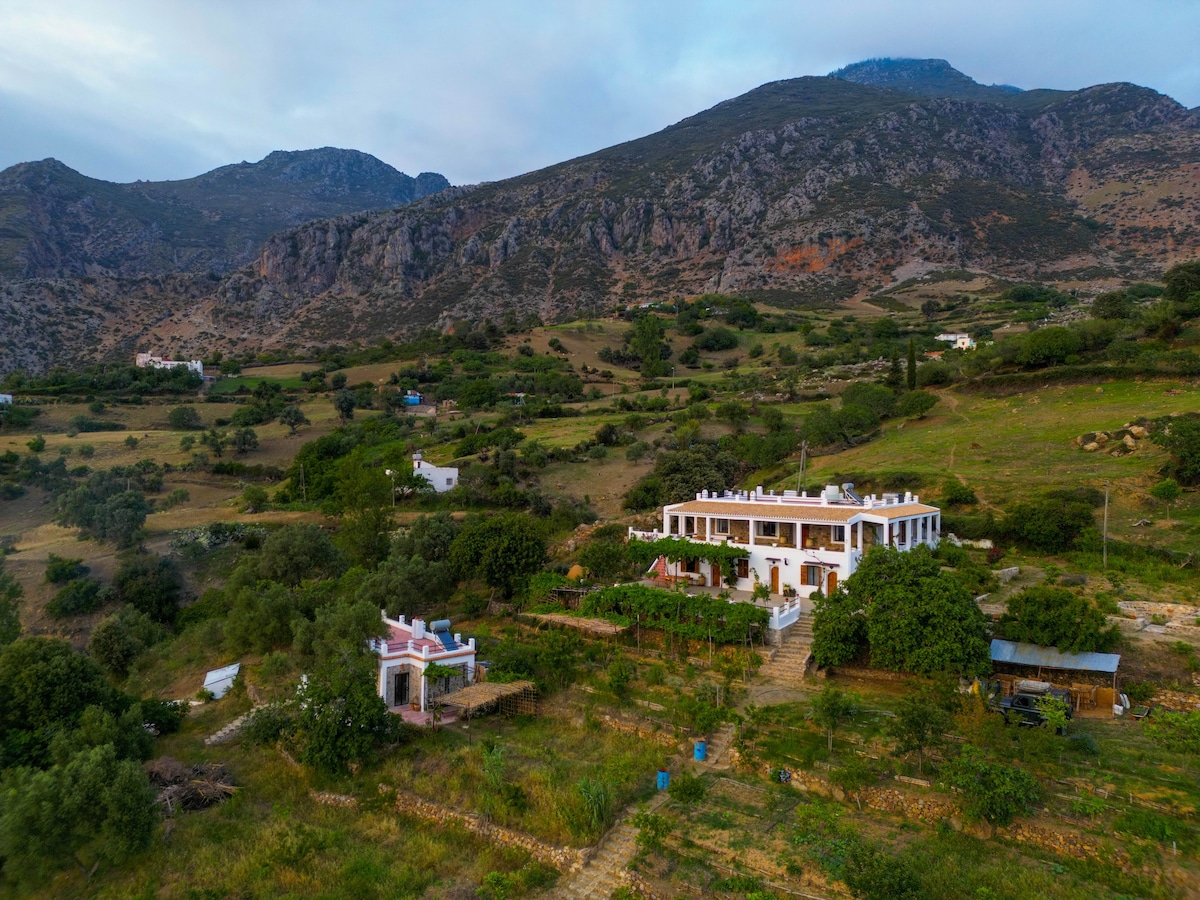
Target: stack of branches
{"x":189,"y":787}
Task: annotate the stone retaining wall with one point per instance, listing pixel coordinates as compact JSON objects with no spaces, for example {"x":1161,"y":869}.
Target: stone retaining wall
{"x":662,"y":738}
{"x":564,"y":859}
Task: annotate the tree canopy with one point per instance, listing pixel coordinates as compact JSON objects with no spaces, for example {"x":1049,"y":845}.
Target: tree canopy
{"x":1055,"y":617}
{"x":913,"y":617}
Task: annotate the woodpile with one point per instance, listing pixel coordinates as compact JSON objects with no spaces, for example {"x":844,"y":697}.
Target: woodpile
{"x":189,"y":787}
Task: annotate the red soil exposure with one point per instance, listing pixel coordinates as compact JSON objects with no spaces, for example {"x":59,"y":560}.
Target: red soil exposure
{"x":813,"y":258}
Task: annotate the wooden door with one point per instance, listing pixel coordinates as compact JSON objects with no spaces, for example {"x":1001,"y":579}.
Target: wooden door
{"x":774,"y":579}
{"x":832,"y":583}
{"x":716,"y":575}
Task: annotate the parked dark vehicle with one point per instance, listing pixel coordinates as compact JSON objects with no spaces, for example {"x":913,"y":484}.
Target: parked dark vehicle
{"x":1023,"y":706}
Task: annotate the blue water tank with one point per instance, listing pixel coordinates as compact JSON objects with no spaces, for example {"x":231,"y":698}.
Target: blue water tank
{"x":664,"y":779}
{"x":700,"y":751}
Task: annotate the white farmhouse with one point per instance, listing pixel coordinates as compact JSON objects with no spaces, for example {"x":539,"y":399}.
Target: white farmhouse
{"x":442,"y":478}
{"x":150,"y":361}
{"x":960,"y":340}
{"x":794,"y":542}
{"x":408,"y":650}
{"x":5,"y":399}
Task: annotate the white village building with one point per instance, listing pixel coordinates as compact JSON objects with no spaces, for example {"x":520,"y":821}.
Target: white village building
{"x":5,"y":399}
{"x":150,"y":361}
{"x":795,"y":544}
{"x":408,"y":650}
{"x":960,"y":340}
{"x":442,"y":478}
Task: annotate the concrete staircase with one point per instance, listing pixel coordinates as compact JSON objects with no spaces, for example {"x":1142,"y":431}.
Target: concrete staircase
{"x":790,"y":661}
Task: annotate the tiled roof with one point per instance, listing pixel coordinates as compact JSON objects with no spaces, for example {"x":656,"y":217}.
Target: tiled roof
{"x":734,"y":509}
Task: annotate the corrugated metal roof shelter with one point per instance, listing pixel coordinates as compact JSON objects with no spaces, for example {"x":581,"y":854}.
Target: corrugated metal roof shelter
{"x":219,"y":681}
{"x":1019,"y":654}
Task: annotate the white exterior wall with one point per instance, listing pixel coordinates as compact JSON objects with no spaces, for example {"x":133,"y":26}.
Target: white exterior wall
{"x":793,"y":562}
{"x":5,"y":399}
{"x":443,"y":478}
{"x":416,"y":659}
{"x":149,"y":360}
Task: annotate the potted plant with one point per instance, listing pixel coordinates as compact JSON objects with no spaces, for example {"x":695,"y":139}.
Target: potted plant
{"x":789,"y":591}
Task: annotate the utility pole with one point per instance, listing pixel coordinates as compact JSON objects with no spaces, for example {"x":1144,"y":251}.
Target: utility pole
{"x":391,"y":473}
{"x":1105,"y":563}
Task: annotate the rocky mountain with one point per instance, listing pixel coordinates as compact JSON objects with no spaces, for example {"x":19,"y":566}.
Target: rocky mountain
{"x":815,"y":189}
{"x":55,"y":222}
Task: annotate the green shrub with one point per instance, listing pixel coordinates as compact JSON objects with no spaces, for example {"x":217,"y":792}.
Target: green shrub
{"x":687,"y":789}
{"x":60,"y":569}
{"x":77,"y":597}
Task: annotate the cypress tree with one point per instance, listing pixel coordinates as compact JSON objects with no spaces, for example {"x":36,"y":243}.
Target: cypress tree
{"x":912,"y":365}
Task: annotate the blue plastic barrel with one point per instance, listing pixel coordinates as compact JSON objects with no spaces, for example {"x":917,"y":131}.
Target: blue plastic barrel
{"x":664,"y":779}
{"x":700,"y":751}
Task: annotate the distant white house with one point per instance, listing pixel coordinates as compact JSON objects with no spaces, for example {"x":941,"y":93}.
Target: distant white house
{"x":958,"y":339}
{"x":5,"y":399}
{"x":150,"y":361}
{"x":442,"y":478}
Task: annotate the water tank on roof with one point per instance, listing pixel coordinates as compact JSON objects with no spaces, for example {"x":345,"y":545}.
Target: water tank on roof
{"x":831,"y":493}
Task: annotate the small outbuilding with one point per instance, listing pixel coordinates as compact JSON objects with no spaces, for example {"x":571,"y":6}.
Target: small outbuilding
{"x":1081,"y":672}
{"x":219,"y":681}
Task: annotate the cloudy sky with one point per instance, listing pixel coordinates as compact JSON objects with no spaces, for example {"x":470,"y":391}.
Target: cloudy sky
{"x":128,"y":89}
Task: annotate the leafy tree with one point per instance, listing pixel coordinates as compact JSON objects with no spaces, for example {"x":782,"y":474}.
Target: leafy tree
{"x":503,"y":550}
{"x":36,"y":444}
{"x":604,"y":559}
{"x":1182,"y":281}
{"x":261,"y":618}
{"x":918,"y":619}
{"x":216,"y":441}
{"x":647,"y":343}
{"x":429,"y":537}
{"x":255,"y":498}
{"x":930,"y":308}
{"x":915,"y":404}
{"x":77,"y":597}
{"x":831,"y":708}
{"x":408,"y":586}
{"x":119,"y":639}
{"x":1180,"y":436}
{"x":96,"y":808}
{"x":365,"y":495}
{"x":104,"y":508}
{"x":1055,"y":617}
{"x":875,"y":397}
{"x":1048,"y":525}
{"x":922,"y":718}
{"x":1047,"y":346}
{"x":343,"y":402}
{"x":61,"y":569}
{"x":733,"y":412}
{"x":839,"y":628}
{"x":44,"y":688}
{"x":184,"y":418}
{"x":991,"y":792}
{"x":872,"y":874}
{"x":338,"y":628}
{"x":1112,"y":305}
{"x":151,"y":584}
{"x":293,"y":418}
{"x":10,"y":598}
{"x":714,"y":340}
{"x":296,"y":552}
{"x":341,"y":717}
{"x":938,"y":628}
{"x":1168,"y":491}
{"x":244,"y":440}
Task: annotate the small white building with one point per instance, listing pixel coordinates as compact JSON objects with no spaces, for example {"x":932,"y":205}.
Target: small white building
{"x":150,"y":361}
{"x":5,"y":399}
{"x":960,"y":340}
{"x":408,"y":650}
{"x":442,"y":478}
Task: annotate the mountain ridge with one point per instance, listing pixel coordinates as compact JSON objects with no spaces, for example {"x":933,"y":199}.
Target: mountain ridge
{"x":57,"y":222}
{"x":814,"y":190}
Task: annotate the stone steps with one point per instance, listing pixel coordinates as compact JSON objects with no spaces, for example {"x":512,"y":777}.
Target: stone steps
{"x":605,"y":870}
{"x":790,"y":661}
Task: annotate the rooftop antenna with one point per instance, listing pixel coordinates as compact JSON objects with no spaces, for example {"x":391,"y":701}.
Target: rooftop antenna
{"x":803,"y":466}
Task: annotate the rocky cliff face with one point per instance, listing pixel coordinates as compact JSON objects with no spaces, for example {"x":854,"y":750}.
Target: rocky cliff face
{"x":55,"y":222}
{"x":801,"y":191}
{"x":812,"y":189}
